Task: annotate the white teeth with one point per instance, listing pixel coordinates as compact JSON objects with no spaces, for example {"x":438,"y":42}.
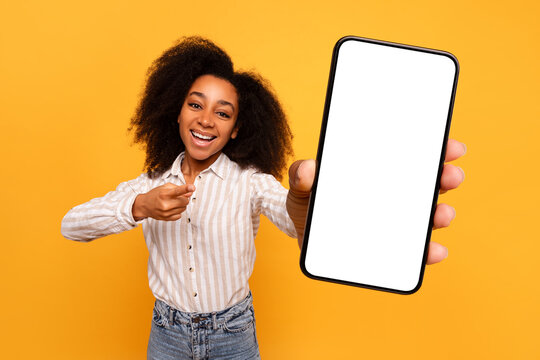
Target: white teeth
{"x":200,"y":136}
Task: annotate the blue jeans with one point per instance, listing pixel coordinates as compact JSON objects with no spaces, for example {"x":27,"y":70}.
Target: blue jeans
{"x":226,"y":334}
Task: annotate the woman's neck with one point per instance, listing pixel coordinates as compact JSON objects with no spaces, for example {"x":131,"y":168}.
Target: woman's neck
{"x":192,"y":167}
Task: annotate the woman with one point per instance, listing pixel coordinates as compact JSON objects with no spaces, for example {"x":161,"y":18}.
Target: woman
{"x":216,"y":142}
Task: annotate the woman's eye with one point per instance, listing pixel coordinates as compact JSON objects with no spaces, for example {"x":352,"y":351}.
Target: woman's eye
{"x":196,"y":106}
{"x":222,"y":114}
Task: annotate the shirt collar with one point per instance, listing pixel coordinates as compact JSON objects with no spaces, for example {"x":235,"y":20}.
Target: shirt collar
{"x":219,"y":167}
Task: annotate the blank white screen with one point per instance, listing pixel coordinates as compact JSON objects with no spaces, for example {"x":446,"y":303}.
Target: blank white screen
{"x":384,"y":137}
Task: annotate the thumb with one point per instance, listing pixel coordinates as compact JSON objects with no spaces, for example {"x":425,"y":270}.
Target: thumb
{"x":301,"y":176}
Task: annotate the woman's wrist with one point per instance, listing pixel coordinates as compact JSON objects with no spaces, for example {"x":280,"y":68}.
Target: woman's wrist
{"x":138,"y":208}
{"x":297,"y":209}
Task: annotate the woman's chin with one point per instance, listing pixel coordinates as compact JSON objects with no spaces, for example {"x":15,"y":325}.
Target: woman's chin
{"x":202,"y":156}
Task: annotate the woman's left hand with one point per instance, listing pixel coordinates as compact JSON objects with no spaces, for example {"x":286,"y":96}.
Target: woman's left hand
{"x":302,"y":173}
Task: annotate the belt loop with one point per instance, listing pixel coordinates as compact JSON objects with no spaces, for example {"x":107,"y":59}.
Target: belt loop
{"x":171,"y":316}
{"x":214,"y":322}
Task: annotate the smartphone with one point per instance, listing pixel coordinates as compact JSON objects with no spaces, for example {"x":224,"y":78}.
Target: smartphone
{"x":380,"y":158}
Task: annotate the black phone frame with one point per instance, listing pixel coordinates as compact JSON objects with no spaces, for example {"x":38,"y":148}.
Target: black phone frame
{"x":319,"y":157}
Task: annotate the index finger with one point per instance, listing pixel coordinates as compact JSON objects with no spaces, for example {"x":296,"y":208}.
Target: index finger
{"x":182,"y":190}
{"x":454,"y":150}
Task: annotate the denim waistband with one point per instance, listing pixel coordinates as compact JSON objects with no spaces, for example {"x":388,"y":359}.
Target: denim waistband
{"x":191,"y":318}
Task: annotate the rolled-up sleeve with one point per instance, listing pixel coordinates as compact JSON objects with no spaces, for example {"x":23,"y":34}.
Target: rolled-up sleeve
{"x":269,"y":198}
{"x":109,"y":214}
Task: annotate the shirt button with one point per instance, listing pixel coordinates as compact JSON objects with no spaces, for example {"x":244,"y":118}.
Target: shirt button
{"x":189,"y":247}
{"x":200,"y":177}
{"x":194,"y":294}
{"x":188,"y":220}
{"x":191,"y":269}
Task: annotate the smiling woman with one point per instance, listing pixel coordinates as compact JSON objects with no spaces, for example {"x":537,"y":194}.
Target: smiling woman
{"x":263,"y":135}
{"x":216,"y":140}
{"x":207,"y":122}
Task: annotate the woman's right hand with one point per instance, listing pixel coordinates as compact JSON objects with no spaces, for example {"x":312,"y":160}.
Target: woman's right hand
{"x":165,"y":202}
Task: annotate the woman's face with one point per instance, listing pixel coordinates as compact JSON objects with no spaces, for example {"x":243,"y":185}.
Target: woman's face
{"x":208,"y":117}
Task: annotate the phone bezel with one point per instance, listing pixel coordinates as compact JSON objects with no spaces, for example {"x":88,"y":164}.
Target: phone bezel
{"x":320,"y":147}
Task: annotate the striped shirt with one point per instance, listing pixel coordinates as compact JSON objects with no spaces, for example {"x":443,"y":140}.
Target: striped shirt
{"x":202,"y":262}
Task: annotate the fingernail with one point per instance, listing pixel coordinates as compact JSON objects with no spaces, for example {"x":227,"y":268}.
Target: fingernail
{"x":464,"y":148}
{"x":446,"y":253}
{"x":453,"y":217}
{"x":463,"y":172}
{"x":297,"y":175}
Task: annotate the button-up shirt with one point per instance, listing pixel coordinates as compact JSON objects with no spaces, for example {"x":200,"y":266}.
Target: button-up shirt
{"x":202,"y":262}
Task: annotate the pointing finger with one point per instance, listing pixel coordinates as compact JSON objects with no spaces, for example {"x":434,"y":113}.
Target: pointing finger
{"x":183,"y":190}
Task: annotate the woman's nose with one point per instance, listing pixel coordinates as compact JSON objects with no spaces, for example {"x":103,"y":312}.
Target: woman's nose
{"x":206,"y":119}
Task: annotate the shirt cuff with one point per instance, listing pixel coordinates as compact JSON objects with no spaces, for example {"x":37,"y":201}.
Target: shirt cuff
{"x":290,"y":228}
{"x":124,"y":213}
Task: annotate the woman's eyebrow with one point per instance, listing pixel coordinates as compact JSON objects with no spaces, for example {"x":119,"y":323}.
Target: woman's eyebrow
{"x":222,"y":102}
{"x":198,"y":94}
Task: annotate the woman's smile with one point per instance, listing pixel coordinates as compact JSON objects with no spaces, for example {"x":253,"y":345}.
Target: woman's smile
{"x":201,"y":135}
{"x":201,"y":139}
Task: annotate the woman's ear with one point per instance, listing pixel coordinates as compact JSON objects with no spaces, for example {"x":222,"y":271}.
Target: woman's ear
{"x":234,"y":133}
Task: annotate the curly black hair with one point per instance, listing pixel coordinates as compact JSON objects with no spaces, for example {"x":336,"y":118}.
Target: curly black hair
{"x":264,"y":138}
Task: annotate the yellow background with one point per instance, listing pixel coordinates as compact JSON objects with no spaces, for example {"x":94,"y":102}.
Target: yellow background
{"x":70,"y":77}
